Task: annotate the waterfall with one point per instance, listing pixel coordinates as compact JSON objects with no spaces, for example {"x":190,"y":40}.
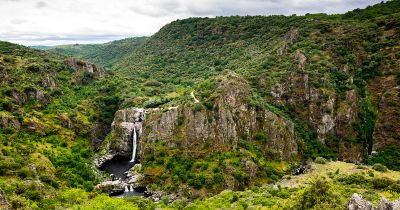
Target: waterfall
{"x":126,"y":189}
{"x":131,"y":188}
{"x":134,"y":141}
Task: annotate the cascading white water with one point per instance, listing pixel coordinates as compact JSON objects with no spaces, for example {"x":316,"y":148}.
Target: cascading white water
{"x":131,"y":188}
{"x":126,"y":189}
{"x":134,"y":141}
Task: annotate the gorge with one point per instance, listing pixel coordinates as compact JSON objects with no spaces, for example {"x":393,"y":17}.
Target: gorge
{"x":240,"y":112}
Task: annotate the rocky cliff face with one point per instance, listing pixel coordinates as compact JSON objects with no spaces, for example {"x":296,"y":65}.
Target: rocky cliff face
{"x":203,"y":130}
{"x":84,"y":71}
{"x":199,"y":131}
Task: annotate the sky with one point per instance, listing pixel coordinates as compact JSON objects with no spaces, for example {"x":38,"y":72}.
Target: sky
{"x":56,"y":22}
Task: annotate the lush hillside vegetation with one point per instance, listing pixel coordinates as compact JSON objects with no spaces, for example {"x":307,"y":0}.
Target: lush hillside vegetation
{"x":103,"y":54}
{"x":49,"y":107}
{"x":333,"y":78}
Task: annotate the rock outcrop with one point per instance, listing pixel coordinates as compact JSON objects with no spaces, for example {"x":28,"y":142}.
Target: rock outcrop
{"x":9,"y":121}
{"x":200,"y":131}
{"x":111,"y":187}
{"x":357,"y":202}
{"x":84,"y":71}
{"x":3,"y":202}
{"x":125,"y":122}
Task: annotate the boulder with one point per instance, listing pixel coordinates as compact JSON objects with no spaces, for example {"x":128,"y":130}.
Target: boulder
{"x":9,"y":121}
{"x":111,"y":187}
{"x":357,"y":202}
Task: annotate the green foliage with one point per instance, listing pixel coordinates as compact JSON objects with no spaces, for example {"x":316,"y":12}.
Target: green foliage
{"x":261,"y":136}
{"x":319,"y":195}
{"x":379,"y":167}
{"x":103,"y":54}
{"x":381,"y":183}
{"x":105,"y":202}
{"x":357,"y":179}
{"x":160,"y":71}
{"x":387,"y":156}
{"x":320,"y":160}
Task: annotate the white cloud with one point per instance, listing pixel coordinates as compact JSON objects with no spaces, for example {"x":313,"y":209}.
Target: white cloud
{"x":52,"y":22}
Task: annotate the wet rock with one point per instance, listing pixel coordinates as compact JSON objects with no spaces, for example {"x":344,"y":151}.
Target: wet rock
{"x":111,"y":187}
{"x":125,"y":122}
{"x":134,"y":177}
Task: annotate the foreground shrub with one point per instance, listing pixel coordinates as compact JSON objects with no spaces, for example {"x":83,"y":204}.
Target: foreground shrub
{"x":320,"y":160}
{"x":379,"y":167}
{"x":381,"y":183}
{"x":319,"y":195}
{"x":105,"y":202}
{"x":358,"y":179}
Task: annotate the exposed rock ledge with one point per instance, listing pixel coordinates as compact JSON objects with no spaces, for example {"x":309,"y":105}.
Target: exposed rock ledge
{"x":207,"y":130}
{"x":357,"y":202}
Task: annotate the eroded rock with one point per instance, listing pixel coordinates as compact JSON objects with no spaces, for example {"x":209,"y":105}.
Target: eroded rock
{"x":357,"y":202}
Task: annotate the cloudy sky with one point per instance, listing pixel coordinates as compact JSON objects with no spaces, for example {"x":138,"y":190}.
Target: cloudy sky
{"x":54,"y":22}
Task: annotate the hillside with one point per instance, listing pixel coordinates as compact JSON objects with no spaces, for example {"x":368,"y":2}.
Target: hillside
{"x":334,"y":76}
{"x":208,"y":113}
{"x":102,"y":54}
{"x":232,"y":102}
{"x":49,"y":107}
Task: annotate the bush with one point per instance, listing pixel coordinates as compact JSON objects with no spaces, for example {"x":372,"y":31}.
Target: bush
{"x":388,"y":157}
{"x":261,"y":136}
{"x":362,"y":167}
{"x":197,"y":107}
{"x":320,"y":160}
{"x":319,"y":194}
{"x":381,"y":183}
{"x":353,"y":179}
{"x":379,"y":167}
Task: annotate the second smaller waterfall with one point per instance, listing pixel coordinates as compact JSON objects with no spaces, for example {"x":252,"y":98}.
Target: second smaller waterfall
{"x":134,"y":141}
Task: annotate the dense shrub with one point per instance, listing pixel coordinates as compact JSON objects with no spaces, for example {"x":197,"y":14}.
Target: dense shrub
{"x":379,"y":167}
{"x":387,"y":156}
{"x":319,"y":195}
{"x":358,"y":179}
{"x":381,"y":183}
{"x":320,"y":160}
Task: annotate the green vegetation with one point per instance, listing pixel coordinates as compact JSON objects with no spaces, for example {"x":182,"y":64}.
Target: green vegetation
{"x":106,"y":54}
{"x":387,"y":157}
{"x":320,"y":160}
{"x":307,"y":69}
{"x":47,"y":115}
